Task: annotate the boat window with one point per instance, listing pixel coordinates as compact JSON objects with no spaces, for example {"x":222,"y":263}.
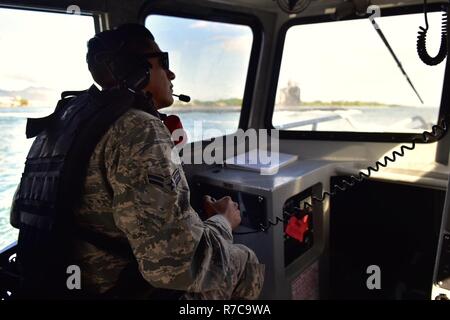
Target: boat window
{"x":340,"y":76}
{"x":210,"y":60}
{"x":41,"y":55}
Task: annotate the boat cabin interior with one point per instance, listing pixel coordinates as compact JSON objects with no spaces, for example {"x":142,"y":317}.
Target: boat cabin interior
{"x":310,"y":114}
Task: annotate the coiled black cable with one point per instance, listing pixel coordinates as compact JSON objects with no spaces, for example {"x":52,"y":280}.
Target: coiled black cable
{"x":437,"y":131}
{"x":422,"y":39}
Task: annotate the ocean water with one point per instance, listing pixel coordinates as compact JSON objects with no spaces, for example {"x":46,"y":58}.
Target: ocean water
{"x":13,"y":150}
{"x":14,"y":145}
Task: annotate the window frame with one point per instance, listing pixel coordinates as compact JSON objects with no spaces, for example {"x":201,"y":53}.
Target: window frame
{"x":100,"y":20}
{"x":444,"y":108}
{"x":224,"y":16}
{"x":10,"y":248}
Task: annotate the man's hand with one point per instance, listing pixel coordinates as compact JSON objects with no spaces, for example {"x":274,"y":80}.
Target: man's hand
{"x":224,"y":206}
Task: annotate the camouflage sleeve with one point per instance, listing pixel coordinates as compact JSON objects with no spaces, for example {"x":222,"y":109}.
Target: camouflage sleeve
{"x":221,"y":225}
{"x":174,"y":248}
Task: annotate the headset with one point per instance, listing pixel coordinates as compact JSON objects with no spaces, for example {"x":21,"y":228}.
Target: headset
{"x":130,"y":71}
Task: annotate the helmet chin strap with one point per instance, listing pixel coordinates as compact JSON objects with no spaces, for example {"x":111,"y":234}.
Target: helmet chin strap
{"x":144,"y":101}
{"x":172,"y":122}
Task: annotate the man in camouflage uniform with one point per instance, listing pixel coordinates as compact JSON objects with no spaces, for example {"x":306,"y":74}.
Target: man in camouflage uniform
{"x":135,"y":193}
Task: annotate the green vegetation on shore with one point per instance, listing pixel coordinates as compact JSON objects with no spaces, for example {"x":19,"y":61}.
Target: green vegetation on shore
{"x":216,"y":103}
{"x":14,"y":102}
{"x":346,"y":104}
{"x":317,"y":103}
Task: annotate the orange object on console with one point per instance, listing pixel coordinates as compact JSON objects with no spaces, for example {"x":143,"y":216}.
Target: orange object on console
{"x":296,"y":228}
{"x":173,"y":123}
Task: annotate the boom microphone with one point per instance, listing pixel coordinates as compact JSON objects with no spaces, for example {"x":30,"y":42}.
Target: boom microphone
{"x":182,"y":97}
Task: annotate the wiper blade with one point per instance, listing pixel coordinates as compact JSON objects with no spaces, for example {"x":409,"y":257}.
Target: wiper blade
{"x":399,"y":64}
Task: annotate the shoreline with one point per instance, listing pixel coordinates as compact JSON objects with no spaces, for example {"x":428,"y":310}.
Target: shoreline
{"x":279,"y":108}
{"x":215,"y":109}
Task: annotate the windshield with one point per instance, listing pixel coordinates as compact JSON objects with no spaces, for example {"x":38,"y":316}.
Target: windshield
{"x":37,"y":62}
{"x":340,"y":76}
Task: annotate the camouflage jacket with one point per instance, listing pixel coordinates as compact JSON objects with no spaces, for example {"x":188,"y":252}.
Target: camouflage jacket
{"x":134,"y":192}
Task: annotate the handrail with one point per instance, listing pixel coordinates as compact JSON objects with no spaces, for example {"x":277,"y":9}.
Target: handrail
{"x":314,"y":122}
{"x":8,"y":247}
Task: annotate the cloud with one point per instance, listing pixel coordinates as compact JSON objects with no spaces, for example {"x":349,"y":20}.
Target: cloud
{"x":35,"y":95}
{"x":241,"y":44}
{"x":218,"y":27}
{"x":201,"y":25}
{"x":21,"y":77}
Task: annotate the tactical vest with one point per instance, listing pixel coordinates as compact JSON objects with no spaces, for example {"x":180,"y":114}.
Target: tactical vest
{"x":51,"y":187}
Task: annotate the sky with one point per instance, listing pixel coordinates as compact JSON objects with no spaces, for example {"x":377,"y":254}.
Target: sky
{"x":40,"y":49}
{"x":347,"y":60}
{"x":210,"y":59}
{"x":338,"y":61}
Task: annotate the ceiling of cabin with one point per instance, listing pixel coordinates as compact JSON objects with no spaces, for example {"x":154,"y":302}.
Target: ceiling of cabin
{"x":315,"y":7}
{"x":271,"y":5}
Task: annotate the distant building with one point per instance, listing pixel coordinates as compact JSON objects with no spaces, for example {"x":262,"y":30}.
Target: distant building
{"x":290,"y":96}
{"x":5,"y":102}
{"x":16,"y":101}
{"x":31,"y":96}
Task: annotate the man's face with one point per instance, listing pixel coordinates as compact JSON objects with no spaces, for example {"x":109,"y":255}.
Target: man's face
{"x":160,"y":85}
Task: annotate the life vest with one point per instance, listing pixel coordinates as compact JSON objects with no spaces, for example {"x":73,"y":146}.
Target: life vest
{"x":51,"y":187}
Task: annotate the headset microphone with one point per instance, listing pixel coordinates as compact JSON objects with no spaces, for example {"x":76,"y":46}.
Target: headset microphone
{"x":182,"y":97}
